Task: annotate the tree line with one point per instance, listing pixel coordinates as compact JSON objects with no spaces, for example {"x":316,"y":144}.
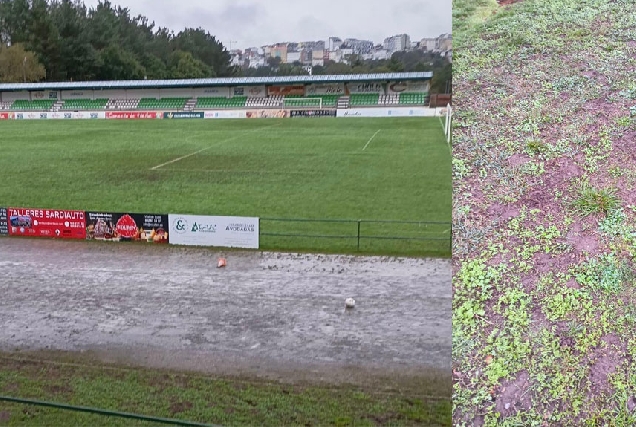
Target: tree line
{"x":63,"y":40}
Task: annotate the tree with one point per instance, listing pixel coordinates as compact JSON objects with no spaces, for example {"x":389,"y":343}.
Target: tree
{"x":19,"y":65}
{"x":183,"y":65}
{"x":118,"y":64}
{"x":442,"y":80}
{"x":44,"y":38}
{"x":204,"y":47}
{"x":274,"y":62}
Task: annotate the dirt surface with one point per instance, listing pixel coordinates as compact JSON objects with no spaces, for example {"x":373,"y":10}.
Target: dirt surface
{"x":265,"y":313}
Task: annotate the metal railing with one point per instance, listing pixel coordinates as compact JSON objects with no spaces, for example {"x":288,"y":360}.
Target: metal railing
{"x":377,"y":236}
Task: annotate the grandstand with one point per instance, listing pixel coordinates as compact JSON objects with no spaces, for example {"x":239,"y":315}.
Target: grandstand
{"x":298,"y":92}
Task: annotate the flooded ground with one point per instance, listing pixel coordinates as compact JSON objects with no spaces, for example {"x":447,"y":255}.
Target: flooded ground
{"x":171,"y":307}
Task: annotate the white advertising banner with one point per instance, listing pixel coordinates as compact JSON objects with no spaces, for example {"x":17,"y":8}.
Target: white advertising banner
{"x":44,"y":95}
{"x":225,"y":114}
{"x":408,"y":87}
{"x":388,"y":112}
{"x":15,"y":96}
{"x":249,"y":91}
{"x":77,"y":94}
{"x":326,"y":89}
{"x":60,"y":115}
{"x":212,"y":92}
{"x":219,"y":231}
{"x":365,"y":88}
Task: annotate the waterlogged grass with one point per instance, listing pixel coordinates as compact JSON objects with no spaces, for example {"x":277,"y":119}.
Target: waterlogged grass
{"x":192,"y":397}
{"x":295,"y":169}
{"x":544,"y":307}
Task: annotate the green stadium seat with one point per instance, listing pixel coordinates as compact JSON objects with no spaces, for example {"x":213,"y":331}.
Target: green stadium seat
{"x":84,"y":104}
{"x":162,"y":104}
{"x":213,"y":103}
{"x":364,"y":99}
{"x":39,"y":105}
{"x":311,"y":101}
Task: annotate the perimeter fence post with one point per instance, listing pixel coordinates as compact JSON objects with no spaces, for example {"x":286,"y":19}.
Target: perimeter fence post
{"x":359,"y":235}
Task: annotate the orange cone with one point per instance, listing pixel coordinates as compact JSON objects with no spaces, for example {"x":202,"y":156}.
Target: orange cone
{"x":222,"y":263}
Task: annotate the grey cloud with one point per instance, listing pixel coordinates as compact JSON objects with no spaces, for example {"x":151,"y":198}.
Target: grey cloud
{"x":252,"y":23}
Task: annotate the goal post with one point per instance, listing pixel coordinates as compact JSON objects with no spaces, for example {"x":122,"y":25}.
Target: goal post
{"x":447,"y":123}
{"x":303,"y":103}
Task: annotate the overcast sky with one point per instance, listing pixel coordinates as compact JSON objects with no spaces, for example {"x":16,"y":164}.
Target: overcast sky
{"x":262,"y":22}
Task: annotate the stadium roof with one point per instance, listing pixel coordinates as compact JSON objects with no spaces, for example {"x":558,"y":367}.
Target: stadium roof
{"x":229,"y":81}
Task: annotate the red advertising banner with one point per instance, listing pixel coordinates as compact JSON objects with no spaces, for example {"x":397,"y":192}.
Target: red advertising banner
{"x":134,"y":115}
{"x":286,"y":90}
{"x":6,"y":116}
{"x":56,"y":224}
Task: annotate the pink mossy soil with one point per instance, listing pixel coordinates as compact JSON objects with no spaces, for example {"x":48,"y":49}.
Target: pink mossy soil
{"x":580,"y":117}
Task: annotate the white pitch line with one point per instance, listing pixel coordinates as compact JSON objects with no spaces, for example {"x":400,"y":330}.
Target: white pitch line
{"x":372,"y":138}
{"x":208,"y":148}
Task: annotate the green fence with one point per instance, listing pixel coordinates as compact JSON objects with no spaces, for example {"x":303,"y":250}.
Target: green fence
{"x":409,"y":238}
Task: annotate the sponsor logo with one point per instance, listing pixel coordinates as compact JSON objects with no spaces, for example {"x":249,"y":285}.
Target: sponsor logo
{"x":126,"y":227}
{"x":180,"y":225}
{"x":43,"y":115}
{"x":241,"y":228}
{"x":184,"y":115}
{"x":21,"y":221}
{"x":94,"y":116}
{"x":203,"y":228}
{"x":398,"y":87}
{"x":68,"y":116}
{"x":313,"y":113}
{"x":348,"y":113}
{"x":19,"y":116}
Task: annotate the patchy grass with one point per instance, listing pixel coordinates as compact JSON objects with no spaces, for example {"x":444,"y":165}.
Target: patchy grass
{"x":544,"y":306}
{"x":192,"y":397}
{"x":320,"y":169}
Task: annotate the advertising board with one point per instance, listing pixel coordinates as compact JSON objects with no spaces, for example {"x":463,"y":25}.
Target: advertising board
{"x":219,"y":231}
{"x":267,"y":114}
{"x":249,"y":91}
{"x":15,"y":96}
{"x":59,"y":115}
{"x":78,"y":115}
{"x":123,"y":227}
{"x":365,"y":88}
{"x":225,"y":114}
{"x":77,"y":94}
{"x":286,"y":90}
{"x":57,"y":224}
{"x":212,"y":92}
{"x":132,"y":115}
{"x":41,"y":95}
{"x":4,"y":222}
{"x":388,"y":112}
{"x":6,"y":116}
{"x":185,"y":115}
{"x":31,"y":115}
{"x":312,"y":113}
{"x":408,"y":87}
{"x":326,"y":89}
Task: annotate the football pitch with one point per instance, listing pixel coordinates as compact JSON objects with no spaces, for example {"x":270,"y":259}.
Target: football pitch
{"x":394,"y":173}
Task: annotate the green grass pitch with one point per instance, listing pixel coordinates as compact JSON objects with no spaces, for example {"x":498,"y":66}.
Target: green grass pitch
{"x":306,"y":168}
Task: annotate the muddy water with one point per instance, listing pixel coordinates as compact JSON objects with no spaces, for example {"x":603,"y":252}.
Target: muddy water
{"x":167,"y":306}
